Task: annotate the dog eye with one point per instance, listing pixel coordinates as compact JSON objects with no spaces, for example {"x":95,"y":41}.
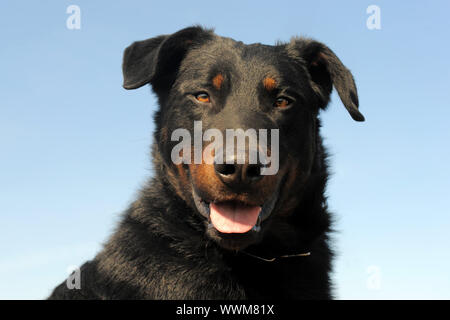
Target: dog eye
{"x":282,"y":102}
{"x":203,"y":97}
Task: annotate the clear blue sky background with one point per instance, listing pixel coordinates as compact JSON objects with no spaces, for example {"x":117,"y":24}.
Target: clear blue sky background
{"x":74,"y":145}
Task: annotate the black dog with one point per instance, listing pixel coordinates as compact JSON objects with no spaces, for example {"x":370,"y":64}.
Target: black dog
{"x":226,"y":231}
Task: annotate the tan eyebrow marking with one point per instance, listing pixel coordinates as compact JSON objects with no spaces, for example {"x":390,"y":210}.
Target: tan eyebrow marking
{"x":217,"y":81}
{"x":269,"y":83}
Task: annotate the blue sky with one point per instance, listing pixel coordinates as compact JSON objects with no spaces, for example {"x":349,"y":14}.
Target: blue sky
{"x":75,"y":145}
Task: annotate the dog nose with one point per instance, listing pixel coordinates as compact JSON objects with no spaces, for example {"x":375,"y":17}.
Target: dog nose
{"x":238,"y":174}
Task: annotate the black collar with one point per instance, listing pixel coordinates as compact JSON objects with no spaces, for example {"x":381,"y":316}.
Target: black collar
{"x":305,"y":254}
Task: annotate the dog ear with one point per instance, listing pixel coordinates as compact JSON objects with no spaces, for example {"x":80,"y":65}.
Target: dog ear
{"x":326,"y":71}
{"x":159,"y":58}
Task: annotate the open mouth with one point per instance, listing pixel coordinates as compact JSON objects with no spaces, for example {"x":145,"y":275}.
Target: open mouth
{"x":234,"y":216}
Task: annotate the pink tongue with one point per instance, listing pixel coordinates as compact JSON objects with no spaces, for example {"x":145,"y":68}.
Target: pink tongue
{"x":233,"y":218}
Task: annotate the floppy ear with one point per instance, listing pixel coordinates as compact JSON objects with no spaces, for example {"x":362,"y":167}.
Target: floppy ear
{"x":326,"y":70}
{"x":159,"y":58}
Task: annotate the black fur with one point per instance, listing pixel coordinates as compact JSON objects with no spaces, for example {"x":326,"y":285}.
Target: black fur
{"x":162,"y":249}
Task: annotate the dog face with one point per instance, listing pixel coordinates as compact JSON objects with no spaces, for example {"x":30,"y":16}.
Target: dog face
{"x":208,"y":85}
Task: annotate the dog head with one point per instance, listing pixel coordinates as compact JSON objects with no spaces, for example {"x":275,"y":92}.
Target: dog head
{"x":214,"y":91}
